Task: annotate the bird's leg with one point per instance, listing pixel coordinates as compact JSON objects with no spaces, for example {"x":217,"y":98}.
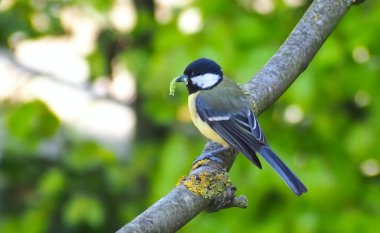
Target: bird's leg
{"x":211,"y":155}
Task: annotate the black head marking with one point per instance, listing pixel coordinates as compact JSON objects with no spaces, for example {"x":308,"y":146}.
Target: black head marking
{"x":202,"y":74}
{"x":203,"y":66}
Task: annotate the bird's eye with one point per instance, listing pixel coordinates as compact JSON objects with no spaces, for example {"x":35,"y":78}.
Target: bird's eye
{"x":195,"y":74}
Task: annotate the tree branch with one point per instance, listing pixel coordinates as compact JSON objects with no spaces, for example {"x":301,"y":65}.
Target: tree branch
{"x":181,"y":205}
{"x":296,"y":52}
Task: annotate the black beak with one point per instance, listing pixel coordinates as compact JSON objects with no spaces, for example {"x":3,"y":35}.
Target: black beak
{"x":182,"y":78}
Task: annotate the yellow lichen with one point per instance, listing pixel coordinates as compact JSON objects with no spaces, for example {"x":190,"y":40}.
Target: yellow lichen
{"x":200,"y":163}
{"x":208,"y":185}
{"x":180,"y":180}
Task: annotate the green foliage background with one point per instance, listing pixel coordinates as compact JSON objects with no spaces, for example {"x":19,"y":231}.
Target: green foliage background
{"x":86,"y":188}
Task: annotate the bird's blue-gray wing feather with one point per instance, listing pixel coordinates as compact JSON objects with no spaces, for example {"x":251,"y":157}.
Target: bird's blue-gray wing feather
{"x":239,"y":127}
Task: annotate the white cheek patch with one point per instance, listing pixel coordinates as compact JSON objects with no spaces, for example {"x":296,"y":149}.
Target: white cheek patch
{"x":205,"y":80}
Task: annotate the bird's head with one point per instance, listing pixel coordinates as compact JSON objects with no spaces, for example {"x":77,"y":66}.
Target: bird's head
{"x":201,"y":74}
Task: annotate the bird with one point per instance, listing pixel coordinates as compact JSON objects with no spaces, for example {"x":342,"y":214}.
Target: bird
{"x":222,"y":111}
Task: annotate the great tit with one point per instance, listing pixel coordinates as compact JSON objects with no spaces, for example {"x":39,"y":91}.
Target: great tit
{"x":222,"y":112}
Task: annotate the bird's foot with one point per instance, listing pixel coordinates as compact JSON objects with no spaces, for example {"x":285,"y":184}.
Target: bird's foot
{"x":210,"y":155}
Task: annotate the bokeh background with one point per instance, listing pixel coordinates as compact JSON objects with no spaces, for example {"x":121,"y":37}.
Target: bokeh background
{"x":89,"y":137}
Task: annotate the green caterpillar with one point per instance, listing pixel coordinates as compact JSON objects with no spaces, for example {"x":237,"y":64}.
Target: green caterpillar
{"x":172,"y":85}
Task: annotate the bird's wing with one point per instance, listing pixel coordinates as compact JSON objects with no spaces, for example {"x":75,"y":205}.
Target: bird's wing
{"x":236,"y":124}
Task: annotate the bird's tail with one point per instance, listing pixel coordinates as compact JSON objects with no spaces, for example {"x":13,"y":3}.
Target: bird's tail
{"x":287,"y":175}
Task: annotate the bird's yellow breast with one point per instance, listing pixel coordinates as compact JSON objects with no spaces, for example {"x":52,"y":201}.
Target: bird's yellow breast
{"x":202,"y":126}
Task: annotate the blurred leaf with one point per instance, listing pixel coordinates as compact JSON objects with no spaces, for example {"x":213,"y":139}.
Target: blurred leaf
{"x":9,"y":225}
{"x":172,"y":165}
{"x":31,"y":123}
{"x":101,"y":6}
{"x":98,"y":64}
{"x":52,"y":184}
{"x":88,"y":156}
{"x":82,"y":209}
{"x":34,"y":221}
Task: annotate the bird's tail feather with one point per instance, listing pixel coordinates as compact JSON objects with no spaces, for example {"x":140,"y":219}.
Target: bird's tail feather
{"x":287,"y":175}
